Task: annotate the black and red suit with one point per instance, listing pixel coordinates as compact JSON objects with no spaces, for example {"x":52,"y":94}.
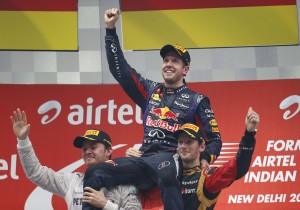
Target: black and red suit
{"x":164,"y":111}
{"x":200,"y":189}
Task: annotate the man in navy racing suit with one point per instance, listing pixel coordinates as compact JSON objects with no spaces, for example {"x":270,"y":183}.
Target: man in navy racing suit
{"x":165,"y":108}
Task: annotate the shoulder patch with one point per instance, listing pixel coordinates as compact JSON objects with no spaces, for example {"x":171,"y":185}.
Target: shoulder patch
{"x":111,"y":162}
{"x":133,"y":190}
{"x":199,"y":98}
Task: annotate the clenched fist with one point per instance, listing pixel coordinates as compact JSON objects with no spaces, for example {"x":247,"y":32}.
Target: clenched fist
{"x":111,"y":16}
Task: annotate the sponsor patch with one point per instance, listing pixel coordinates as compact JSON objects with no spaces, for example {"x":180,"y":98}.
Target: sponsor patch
{"x":199,"y":98}
{"x":190,"y":126}
{"x":91,"y":132}
{"x":111,"y":162}
{"x":155,"y":97}
{"x":164,"y":113}
{"x":163,"y":165}
{"x":215,"y":130}
{"x":178,"y":47}
{"x":213,"y":122}
{"x":133,"y":190}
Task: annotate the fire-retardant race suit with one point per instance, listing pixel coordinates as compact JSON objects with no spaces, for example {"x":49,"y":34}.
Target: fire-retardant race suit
{"x":70,"y":185}
{"x":200,"y":189}
{"x":164,"y":111}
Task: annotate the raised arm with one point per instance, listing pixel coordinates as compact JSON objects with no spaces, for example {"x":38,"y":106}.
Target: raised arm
{"x":135,"y":86}
{"x":247,"y":144}
{"x":42,"y":176}
{"x":235,"y":169}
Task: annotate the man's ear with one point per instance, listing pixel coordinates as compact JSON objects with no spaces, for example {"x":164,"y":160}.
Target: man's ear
{"x":109,"y":151}
{"x":186,"y":70}
{"x":202,"y":147}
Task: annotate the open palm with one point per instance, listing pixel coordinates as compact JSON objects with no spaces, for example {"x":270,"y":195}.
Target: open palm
{"x":20,"y":126}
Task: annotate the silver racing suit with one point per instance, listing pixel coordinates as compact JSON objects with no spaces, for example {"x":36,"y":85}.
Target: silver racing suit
{"x":70,"y":185}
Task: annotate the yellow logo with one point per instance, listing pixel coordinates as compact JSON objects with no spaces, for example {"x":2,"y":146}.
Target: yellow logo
{"x":213,"y":122}
{"x":178,"y":47}
{"x":91,"y":132}
{"x":190,"y":126}
{"x":155,"y":97}
{"x":215,"y":130}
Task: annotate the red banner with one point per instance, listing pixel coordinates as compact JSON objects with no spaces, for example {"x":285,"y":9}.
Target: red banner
{"x":58,"y":113}
{"x":38,"y":5}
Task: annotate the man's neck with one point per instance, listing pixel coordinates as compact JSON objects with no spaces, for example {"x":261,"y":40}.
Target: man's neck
{"x":188,"y":165}
{"x":173,"y":85}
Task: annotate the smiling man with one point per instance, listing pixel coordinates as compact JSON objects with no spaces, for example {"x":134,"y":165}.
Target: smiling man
{"x":165,"y":106}
{"x":201,"y":188}
{"x":96,"y":148}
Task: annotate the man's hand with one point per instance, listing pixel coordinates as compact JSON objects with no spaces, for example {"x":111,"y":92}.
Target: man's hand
{"x":20,"y":126}
{"x":132,"y":152}
{"x":110,"y":17}
{"x":94,"y":197}
{"x":252,"y":120}
{"x":204,"y":164}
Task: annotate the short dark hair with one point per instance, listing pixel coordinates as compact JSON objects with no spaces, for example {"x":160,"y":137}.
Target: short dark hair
{"x":107,"y":147}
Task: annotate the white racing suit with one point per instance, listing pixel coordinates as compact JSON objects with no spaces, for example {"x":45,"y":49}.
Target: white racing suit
{"x":70,"y":185}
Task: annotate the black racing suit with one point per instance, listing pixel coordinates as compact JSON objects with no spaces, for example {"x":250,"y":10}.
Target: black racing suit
{"x":164,"y":111}
{"x":200,"y":189}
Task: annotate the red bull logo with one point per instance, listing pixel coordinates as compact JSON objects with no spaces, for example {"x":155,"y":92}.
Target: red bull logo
{"x":164,"y":113}
{"x":162,"y":124}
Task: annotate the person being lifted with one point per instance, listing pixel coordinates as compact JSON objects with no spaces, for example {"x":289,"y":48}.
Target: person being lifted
{"x":165,"y":108}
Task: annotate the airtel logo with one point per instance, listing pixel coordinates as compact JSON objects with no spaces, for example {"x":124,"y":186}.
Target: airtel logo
{"x":286,"y":103}
{"x":49,"y":105}
{"x":92,"y":114}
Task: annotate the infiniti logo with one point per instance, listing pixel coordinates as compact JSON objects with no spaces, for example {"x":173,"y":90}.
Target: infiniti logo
{"x":158,"y":134}
{"x":113,"y":48}
{"x":185,"y":96}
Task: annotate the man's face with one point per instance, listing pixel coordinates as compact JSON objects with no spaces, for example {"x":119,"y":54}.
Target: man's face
{"x":189,"y":150}
{"x":173,"y":70}
{"x":94,"y":153}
